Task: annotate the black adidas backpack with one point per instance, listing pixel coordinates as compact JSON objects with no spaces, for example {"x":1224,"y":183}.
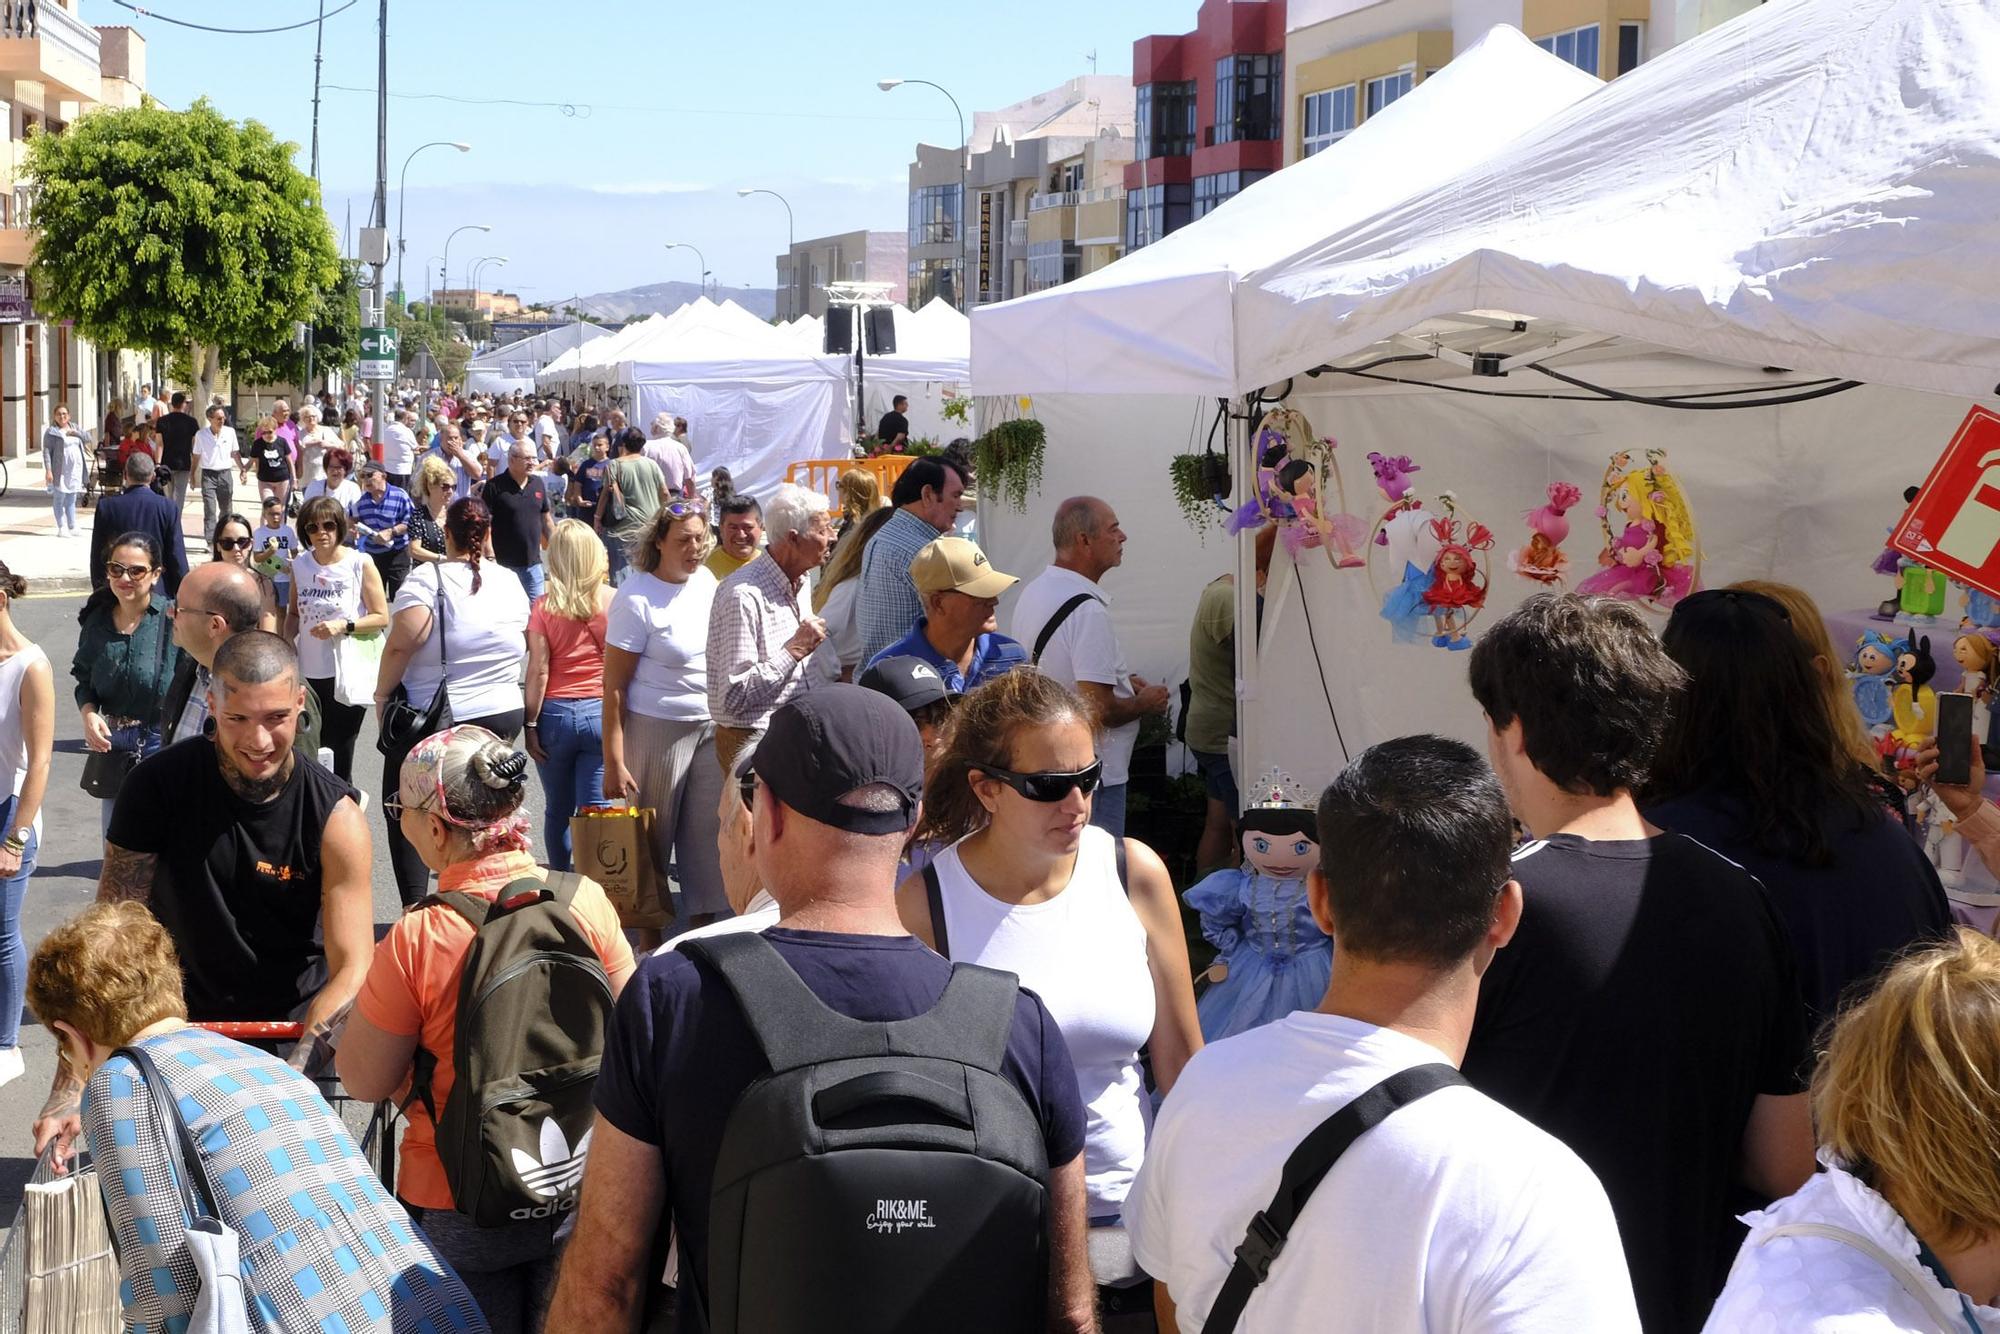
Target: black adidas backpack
{"x":883,"y":1176}
{"x":533,"y":1009}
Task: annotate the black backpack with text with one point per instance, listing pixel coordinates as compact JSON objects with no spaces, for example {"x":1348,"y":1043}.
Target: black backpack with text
{"x":882,"y":1176}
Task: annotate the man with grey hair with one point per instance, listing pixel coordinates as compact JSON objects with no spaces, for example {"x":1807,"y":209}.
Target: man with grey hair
{"x":676,"y":464}
{"x":1066,"y":620}
{"x":399,"y":448}
{"x":761,"y":628}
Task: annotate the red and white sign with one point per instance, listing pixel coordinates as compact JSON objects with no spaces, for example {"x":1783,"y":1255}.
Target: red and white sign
{"x":1954,"y":523}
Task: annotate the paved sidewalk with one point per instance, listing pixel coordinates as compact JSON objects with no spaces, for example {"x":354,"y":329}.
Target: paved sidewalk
{"x":52,"y":564}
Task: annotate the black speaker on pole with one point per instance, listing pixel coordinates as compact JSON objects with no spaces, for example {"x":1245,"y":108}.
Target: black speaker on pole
{"x":880,"y":325}
{"x":839,"y":331}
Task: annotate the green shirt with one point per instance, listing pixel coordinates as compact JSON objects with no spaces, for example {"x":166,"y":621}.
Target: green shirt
{"x":639,"y":482}
{"x":1212,"y":669}
{"x":125,"y":676}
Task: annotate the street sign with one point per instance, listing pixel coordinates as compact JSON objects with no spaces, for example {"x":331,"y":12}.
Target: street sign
{"x":375,"y":370}
{"x":378,"y":345}
{"x":1954,"y":523}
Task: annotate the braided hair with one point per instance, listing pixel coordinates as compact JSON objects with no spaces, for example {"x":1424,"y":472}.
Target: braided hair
{"x":467,"y":523}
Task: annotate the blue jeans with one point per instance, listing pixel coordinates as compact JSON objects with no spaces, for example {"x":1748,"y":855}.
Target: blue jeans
{"x":143,"y":738}
{"x":572,"y":735}
{"x":1107,"y":810}
{"x":13,"y":952}
{"x":621,"y":565}
{"x":64,"y":503}
{"x":531,"y":579}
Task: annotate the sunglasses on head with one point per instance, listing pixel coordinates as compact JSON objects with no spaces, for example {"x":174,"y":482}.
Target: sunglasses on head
{"x":681,"y":509}
{"x":232,"y":543}
{"x":117,"y":571}
{"x":1047,"y":786}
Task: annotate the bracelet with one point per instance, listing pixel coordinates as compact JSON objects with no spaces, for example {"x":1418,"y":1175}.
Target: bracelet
{"x":530,"y":726}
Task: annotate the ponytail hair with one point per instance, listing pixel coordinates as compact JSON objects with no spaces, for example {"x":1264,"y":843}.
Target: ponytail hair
{"x":467,"y":523}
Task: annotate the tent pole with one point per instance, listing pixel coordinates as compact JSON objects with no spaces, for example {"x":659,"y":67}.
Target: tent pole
{"x":1242,"y":477}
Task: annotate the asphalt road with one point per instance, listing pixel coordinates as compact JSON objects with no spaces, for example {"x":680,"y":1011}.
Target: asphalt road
{"x":72,"y":848}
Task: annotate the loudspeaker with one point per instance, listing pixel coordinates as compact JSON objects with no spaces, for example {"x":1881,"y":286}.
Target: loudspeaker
{"x":839,"y":339}
{"x":880,"y":324}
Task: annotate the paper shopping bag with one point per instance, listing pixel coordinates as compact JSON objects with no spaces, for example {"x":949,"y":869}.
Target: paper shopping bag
{"x":613,"y":845}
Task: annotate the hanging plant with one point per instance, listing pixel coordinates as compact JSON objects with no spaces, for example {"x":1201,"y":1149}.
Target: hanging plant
{"x":1193,"y":477}
{"x":1008,"y":461}
{"x":956,"y":408}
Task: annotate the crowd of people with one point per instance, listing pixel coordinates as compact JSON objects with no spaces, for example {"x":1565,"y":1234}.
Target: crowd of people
{"x":1663,"y":965}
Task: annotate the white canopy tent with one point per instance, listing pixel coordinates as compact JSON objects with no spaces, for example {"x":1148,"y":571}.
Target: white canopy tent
{"x":932,"y":362}
{"x":502,"y":370}
{"x":1807,"y":187}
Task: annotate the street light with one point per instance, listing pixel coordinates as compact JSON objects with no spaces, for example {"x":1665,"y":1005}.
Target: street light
{"x":472,"y":268}
{"x":964,"y":162}
{"x":791,"y":277}
{"x":683,"y":245}
{"x":401,"y":199}
{"x":444,"y":270}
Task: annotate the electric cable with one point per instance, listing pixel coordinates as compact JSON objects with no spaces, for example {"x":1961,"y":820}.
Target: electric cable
{"x":1319,"y":665}
{"x":231,"y":32}
{"x":584,"y":110}
{"x":1685,"y":401}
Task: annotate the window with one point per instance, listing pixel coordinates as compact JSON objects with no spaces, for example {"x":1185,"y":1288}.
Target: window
{"x":934,"y":215}
{"x":931,"y":278}
{"x":1211,"y":191}
{"x":1050,"y":263}
{"x":1578,"y":46}
{"x":1164,"y":117}
{"x":1631,"y":46}
{"x":1072,"y":178}
{"x":1246,"y":97}
{"x":1152,"y":212}
{"x":1328,"y":117}
{"x":1383,"y":91}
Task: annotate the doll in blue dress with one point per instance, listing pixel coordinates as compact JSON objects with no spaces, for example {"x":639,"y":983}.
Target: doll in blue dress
{"x":1272,"y":958}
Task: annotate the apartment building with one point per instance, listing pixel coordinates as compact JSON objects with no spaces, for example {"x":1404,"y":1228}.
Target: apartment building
{"x":969,"y":211}
{"x":466,"y":300}
{"x":1346,"y":60}
{"x":53,"y":67}
{"x":1210,"y":110}
{"x":1076,"y":221}
{"x":849,"y":257}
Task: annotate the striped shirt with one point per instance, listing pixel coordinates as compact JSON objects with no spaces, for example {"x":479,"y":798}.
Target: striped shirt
{"x":394,"y":507}
{"x":750,"y":671}
{"x":888,"y":601}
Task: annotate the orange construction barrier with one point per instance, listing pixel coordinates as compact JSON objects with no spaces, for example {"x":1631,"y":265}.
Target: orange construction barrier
{"x":823,"y":475}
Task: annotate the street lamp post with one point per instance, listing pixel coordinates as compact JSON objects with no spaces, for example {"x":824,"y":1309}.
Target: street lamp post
{"x":444,"y":271}
{"x":791,"y":240}
{"x":702,"y":285}
{"x":964,"y":202}
{"x":479,"y":265}
{"x":402,"y":185}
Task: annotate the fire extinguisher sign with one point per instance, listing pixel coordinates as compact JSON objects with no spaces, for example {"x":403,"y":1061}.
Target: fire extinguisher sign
{"x":1954,"y":523}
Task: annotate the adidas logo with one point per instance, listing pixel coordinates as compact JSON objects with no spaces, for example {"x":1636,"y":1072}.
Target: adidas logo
{"x":559,"y":1170}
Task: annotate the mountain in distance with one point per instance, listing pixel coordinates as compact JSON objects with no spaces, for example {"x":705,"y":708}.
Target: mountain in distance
{"x":636,"y":303}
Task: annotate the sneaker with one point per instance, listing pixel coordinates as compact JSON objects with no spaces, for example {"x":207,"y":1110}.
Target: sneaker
{"x":11,"y":1065}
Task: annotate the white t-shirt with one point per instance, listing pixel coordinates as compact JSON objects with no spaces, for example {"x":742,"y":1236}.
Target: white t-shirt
{"x":287,"y":543}
{"x":215,"y":450}
{"x":486,"y":638}
{"x":313,"y":445}
{"x":1084,"y":648}
{"x":1453,"y":1216}
{"x":346,"y":493}
{"x":842,"y":646}
{"x":325,"y":593}
{"x":548,"y":440}
{"x":676,"y":464}
{"x":667,"y":626}
{"x":399,"y":449}
{"x":496,"y":451}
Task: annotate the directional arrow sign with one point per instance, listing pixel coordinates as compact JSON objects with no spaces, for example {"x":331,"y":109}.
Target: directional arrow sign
{"x":378,"y":344}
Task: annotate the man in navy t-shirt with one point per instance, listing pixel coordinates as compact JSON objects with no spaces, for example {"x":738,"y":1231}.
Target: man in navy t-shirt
{"x":838,"y":780}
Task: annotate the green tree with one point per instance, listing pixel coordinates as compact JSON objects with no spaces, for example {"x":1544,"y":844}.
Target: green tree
{"x":336,"y":326}
{"x":178,"y":231}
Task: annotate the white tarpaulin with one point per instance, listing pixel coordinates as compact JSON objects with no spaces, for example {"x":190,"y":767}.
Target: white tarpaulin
{"x":931,"y":362}
{"x":502,"y":370}
{"x":1163,"y":319}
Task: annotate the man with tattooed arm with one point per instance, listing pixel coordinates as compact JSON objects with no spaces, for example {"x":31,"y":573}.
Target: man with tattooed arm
{"x":254,"y":857}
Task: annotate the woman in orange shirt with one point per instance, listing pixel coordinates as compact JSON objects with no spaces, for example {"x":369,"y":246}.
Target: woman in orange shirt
{"x":565,"y":689}
{"x":459,"y":800}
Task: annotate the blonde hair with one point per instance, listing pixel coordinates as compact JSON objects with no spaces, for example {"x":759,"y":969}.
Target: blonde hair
{"x":860,"y":493}
{"x":1811,"y":630}
{"x":846,"y":562}
{"x":435,"y":472}
{"x":577,"y":569}
{"x":107,"y":972}
{"x":1669,"y":510}
{"x":1908,"y":1091}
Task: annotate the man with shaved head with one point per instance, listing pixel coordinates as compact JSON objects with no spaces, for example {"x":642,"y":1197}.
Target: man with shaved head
{"x":216,"y":601}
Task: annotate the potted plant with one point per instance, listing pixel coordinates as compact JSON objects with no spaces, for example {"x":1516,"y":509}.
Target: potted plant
{"x":1199,"y":480}
{"x":1008,"y":460}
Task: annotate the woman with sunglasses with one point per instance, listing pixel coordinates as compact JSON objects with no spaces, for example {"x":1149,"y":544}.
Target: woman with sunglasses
{"x":1031,"y":886}
{"x":231,"y":541}
{"x":436,"y":488}
{"x":1754,"y":765}
{"x":336,"y":593}
{"x":271,"y":455}
{"x":125,"y":656}
{"x":338,"y":481}
{"x":659,"y":741}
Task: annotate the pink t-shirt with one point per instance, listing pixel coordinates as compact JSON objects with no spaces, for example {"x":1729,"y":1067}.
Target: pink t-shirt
{"x":576,"y":652}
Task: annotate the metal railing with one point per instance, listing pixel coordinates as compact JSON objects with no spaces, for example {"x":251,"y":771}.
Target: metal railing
{"x":1061,"y":199}
{"x":22,"y":210}
{"x":44,"y":18}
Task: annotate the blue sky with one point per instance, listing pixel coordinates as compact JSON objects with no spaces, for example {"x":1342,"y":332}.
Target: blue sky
{"x":674,"y":106}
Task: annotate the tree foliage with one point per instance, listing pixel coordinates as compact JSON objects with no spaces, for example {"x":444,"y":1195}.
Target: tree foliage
{"x":336,"y":326}
{"x":178,"y":231}
{"x":427,"y":326}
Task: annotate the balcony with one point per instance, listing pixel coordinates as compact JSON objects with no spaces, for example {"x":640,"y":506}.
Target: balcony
{"x":17,"y":236}
{"x":42,"y":43}
{"x":1060,"y":199}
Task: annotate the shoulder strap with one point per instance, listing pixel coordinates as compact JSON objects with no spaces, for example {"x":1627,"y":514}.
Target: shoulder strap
{"x":1124,"y":871}
{"x":970,"y":1023}
{"x":1055,"y":623}
{"x":1897,"y":1269}
{"x":193,"y":1171}
{"x":934,"y":894}
{"x":1304,"y":1170}
{"x":563,"y":886}
{"x":469,"y":906}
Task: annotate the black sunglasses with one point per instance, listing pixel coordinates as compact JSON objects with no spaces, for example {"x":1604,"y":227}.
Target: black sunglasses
{"x":231,"y":543}
{"x":1046,"y":786}
{"x":747,"y":786}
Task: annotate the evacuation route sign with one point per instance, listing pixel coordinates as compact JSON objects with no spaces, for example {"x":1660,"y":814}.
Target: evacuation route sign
{"x":378,"y":355}
{"x":1954,"y":523}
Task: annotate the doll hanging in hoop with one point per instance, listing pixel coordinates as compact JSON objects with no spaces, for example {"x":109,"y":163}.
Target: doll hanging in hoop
{"x":1457,"y":589}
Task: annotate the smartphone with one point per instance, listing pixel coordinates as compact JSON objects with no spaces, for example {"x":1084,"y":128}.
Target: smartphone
{"x":1954,"y":739}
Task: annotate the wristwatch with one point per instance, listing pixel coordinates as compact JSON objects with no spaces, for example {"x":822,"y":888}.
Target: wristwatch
{"x":19,"y":838}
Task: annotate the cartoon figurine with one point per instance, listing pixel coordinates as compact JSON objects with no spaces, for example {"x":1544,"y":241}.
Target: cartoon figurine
{"x":1976,"y":655}
{"x":1982,"y":610}
{"x":1923,"y":593}
{"x":1652,"y":558}
{"x":1542,"y":560}
{"x":1392,"y":478}
{"x":1408,"y":533}
{"x":1890,"y":563}
{"x":1913,"y":703}
{"x":1292,"y":465}
{"x":1271,"y":958}
{"x":1457,"y":586}
{"x":1269,"y":504}
{"x":1943,"y":844}
{"x":1874,"y":659}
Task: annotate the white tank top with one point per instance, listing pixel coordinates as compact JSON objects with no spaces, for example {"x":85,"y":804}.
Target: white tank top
{"x":324,"y":593}
{"x":13,"y":745}
{"x":1084,"y":953}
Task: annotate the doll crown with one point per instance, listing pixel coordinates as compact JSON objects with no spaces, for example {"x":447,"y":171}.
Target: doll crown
{"x":1276,"y":791}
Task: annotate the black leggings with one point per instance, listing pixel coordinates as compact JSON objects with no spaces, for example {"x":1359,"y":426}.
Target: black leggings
{"x":339,"y":724}
{"x":413,"y":878}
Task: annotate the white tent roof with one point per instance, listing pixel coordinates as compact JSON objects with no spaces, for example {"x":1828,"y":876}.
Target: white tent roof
{"x":717,"y":344}
{"x":1163,"y":319}
{"x":934,"y":343}
{"x":1811,"y":186}
{"x":516,"y":365}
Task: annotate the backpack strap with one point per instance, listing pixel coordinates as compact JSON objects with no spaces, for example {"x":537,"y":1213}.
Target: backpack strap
{"x":1304,"y":1170}
{"x":1124,"y":871}
{"x":934,"y":894}
{"x":476,"y":909}
{"x":1055,"y":623}
{"x":970,"y":1023}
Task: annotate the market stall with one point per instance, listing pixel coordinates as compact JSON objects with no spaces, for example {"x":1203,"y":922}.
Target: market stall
{"x":503,"y":369}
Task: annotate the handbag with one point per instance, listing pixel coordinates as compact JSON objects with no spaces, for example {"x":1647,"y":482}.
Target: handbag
{"x":357,"y":663}
{"x":614,"y":508}
{"x":104,"y":771}
{"x":403,"y":723}
{"x":219,"y":1306}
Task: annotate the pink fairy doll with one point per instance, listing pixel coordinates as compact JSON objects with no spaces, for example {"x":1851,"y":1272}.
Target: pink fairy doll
{"x":1457,"y":588}
{"x":1392,"y":477}
{"x":1542,"y":560}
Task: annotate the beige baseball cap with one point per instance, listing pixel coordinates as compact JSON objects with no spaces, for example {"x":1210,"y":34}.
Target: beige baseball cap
{"x":959,"y":565}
